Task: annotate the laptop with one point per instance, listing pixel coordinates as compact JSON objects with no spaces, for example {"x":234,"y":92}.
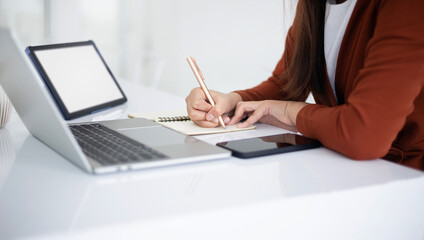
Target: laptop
{"x":96,"y":147}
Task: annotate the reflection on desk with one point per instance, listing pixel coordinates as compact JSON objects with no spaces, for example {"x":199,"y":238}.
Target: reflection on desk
{"x":71,"y":202}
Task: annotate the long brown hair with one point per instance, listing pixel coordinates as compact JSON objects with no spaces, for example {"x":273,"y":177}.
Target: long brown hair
{"x":305,"y":70}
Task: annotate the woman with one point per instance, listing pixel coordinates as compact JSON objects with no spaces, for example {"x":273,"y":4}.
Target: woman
{"x":363,"y":61}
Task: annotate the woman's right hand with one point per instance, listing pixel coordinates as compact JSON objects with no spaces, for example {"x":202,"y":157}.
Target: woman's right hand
{"x":201,"y":111}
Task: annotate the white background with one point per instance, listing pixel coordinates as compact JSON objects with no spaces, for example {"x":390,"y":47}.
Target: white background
{"x":237,"y":43}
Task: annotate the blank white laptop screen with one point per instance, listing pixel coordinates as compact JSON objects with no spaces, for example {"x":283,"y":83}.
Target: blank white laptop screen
{"x":77,"y":77}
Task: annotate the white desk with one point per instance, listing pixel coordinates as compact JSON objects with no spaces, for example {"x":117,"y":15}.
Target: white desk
{"x":314,"y":194}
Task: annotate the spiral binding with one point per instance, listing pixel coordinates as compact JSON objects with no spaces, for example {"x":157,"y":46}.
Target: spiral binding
{"x":174,"y":119}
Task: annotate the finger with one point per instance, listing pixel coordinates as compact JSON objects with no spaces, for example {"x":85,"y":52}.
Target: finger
{"x":242,"y":109}
{"x":226,"y":119}
{"x":211,"y":118}
{"x":201,"y":105}
{"x":197,"y":93}
{"x":238,"y":114}
{"x":214,"y":114}
{"x":193,"y":95}
{"x":197,"y":100}
{"x":200,"y":116}
{"x":196,"y":115}
{"x":216,"y":111}
{"x":257,"y":114}
{"x":206,"y":124}
{"x":237,"y":119}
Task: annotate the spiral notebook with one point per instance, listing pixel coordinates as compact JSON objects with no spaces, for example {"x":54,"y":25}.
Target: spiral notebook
{"x":180,"y":122}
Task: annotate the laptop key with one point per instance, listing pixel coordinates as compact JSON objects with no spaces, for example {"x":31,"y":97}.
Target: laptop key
{"x":109,"y":147}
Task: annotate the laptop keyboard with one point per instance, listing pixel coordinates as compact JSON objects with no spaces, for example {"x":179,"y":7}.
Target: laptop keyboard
{"x":109,"y":147}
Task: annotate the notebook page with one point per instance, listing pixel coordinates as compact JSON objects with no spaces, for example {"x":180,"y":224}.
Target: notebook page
{"x":187,"y":127}
{"x":190,"y":128}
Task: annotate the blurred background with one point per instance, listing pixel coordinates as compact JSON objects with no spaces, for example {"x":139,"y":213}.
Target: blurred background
{"x":237,"y":43}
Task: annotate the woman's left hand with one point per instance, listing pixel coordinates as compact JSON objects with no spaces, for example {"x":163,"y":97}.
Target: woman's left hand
{"x":278,"y":113}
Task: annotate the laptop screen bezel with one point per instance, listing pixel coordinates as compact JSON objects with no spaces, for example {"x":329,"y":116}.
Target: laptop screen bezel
{"x":31,"y":50}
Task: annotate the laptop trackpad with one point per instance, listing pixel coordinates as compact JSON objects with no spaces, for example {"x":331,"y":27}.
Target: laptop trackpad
{"x":154,"y":136}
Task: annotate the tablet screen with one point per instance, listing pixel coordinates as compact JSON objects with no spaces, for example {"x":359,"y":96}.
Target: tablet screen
{"x":78,"y":78}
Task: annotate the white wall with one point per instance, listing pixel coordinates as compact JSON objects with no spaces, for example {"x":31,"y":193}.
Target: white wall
{"x":26,"y":17}
{"x":237,"y":43}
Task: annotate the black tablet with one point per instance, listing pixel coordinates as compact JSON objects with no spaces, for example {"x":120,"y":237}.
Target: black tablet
{"x":77,"y":76}
{"x":262,"y":146}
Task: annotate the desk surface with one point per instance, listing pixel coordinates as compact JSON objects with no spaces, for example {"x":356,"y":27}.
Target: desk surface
{"x":310,"y":194}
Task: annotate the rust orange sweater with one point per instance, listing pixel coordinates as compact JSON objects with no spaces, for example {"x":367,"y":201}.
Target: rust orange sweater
{"x":379,"y":84}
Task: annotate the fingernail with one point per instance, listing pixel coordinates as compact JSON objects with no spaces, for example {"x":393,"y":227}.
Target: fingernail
{"x":226,"y":120}
{"x":210,"y":117}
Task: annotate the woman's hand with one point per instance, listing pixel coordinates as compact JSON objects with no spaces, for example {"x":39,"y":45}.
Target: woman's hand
{"x":278,"y":113}
{"x":201,"y":111}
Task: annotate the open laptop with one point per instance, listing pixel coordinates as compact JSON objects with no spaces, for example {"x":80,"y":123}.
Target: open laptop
{"x":97,"y":147}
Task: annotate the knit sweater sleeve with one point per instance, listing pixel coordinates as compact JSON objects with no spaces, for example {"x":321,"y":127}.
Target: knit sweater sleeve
{"x":384,"y":91}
